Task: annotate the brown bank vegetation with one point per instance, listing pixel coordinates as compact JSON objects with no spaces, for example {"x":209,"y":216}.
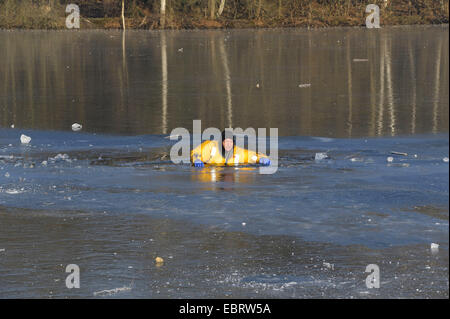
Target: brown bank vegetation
{"x":207,"y":14}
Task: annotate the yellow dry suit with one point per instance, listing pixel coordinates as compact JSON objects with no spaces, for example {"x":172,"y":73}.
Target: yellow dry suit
{"x":209,"y":152}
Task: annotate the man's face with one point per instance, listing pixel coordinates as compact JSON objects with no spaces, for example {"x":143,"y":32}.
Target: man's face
{"x":227,"y":144}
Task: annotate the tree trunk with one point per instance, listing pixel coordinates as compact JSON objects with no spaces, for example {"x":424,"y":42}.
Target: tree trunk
{"x":279,"y":8}
{"x":212,"y":8}
{"x":258,"y":9}
{"x":162,"y":18}
{"x":123,"y":14}
{"x":222,"y":5}
{"x":309,"y":15}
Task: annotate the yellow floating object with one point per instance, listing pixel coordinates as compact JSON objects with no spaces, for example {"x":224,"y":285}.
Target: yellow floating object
{"x":209,"y":152}
{"x":159,"y":260}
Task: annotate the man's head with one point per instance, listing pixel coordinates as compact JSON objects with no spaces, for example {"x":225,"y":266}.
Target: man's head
{"x":227,"y":140}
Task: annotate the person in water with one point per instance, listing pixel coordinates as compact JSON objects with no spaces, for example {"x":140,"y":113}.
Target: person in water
{"x":209,"y":153}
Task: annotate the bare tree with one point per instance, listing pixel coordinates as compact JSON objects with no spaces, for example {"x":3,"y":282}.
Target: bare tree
{"x":123,"y":14}
{"x":212,"y":9}
{"x":258,"y":8}
{"x":162,"y":20}
{"x":279,"y":8}
{"x":222,"y":5}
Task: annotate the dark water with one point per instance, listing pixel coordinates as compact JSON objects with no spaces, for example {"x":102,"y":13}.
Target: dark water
{"x":142,"y":84}
{"x":109,"y":200}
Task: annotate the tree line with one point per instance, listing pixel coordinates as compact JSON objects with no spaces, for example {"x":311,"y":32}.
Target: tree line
{"x":178,"y":14}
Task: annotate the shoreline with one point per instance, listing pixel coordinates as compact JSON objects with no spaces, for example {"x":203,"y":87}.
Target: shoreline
{"x":140,"y":16}
{"x":306,"y":28}
{"x":243,"y":26}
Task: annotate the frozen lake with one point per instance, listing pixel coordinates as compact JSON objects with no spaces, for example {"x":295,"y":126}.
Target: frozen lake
{"x":109,"y":200}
